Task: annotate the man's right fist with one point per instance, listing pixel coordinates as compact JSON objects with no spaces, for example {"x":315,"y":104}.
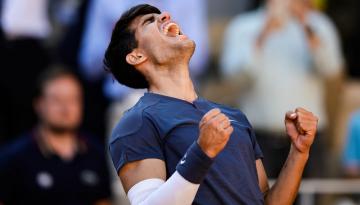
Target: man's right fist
{"x":215,"y":130}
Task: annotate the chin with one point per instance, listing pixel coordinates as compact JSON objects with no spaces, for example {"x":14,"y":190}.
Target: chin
{"x":62,"y":128}
{"x":190,"y":47}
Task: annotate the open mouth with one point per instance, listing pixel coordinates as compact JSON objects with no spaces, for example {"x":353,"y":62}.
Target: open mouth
{"x":171,"y":29}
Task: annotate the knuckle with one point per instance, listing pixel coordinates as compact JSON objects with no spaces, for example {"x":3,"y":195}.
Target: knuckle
{"x":227,"y":123}
{"x":222,"y":115}
{"x":214,"y":123}
{"x":216,"y":110}
{"x":205,"y":119}
{"x":300,"y":118}
{"x":222,"y":132}
{"x":301,"y":124}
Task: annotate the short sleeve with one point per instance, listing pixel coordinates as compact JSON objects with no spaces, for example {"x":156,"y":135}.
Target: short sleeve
{"x":135,"y":138}
{"x":256,"y":146}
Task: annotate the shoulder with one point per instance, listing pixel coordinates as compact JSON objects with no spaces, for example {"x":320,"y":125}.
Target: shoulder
{"x":133,"y":119}
{"x":15,"y":149}
{"x":320,"y":17}
{"x":321,"y":20}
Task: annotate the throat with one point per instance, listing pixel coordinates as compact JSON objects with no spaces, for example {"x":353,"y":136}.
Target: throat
{"x":182,"y":95}
{"x":65,"y":145}
{"x":183,"y":90}
{"x":173,"y":82}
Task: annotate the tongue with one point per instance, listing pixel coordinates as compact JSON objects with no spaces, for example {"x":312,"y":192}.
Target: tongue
{"x":172,"y":32}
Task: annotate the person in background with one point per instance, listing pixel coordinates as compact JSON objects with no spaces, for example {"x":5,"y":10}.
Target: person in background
{"x":26,"y":27}
{"x":281,"y":54}
{"x":351,"y":153}
{"x":55,"y":163}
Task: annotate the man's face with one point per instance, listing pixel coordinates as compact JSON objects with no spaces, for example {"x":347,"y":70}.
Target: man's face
{"x":60,"y":106}
{"x":299,"y":7}
{"x":279,"y":8}
{"x":161,"y":39}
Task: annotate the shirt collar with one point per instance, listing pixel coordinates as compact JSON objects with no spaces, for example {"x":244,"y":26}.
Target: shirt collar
{"x":156,"y":96}
{"x":47,"y":151}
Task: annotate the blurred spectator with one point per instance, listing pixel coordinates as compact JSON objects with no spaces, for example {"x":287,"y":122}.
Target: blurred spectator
{"x":54,"y":163}
{"x":351,"y":155}
{"x":71,"y":18}
{"x":283,"y":52}
{"x":26,"y":26}
{"x":346,"y":14}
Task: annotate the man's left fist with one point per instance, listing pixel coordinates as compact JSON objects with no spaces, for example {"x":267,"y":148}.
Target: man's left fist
{"x":301,"y":127}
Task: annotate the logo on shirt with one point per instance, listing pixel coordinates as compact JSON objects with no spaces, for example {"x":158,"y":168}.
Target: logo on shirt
{"x":44,"y":180}
{"x":89,"y":177}
{"x":183,"y":160}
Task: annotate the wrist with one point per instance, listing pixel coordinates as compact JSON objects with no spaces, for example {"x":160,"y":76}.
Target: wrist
{"x":195,"y":164}
{"x":210,"y":153}
{"x":301,"y":155}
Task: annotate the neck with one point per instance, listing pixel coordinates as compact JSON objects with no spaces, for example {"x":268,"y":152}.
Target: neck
{"x":173,"y":82}
{"x":63,"y":144}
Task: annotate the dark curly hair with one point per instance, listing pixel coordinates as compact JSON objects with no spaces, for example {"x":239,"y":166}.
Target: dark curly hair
{"x":122,"y":42}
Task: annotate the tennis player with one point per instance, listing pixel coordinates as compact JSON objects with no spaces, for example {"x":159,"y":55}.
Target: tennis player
{"x":176,"y":148}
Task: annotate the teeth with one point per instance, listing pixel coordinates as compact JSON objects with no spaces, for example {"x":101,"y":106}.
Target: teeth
{"x":174,"y":26}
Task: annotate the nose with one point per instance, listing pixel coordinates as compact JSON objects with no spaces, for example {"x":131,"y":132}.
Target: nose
{"x":164,"y":16}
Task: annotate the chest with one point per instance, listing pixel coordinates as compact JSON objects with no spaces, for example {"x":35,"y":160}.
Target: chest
{"x":238,"y":153}
{"x":181,"y":136}
{"x":49,"y":177}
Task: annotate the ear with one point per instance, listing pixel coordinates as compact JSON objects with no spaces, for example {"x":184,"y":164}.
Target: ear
{"x":136,"y":57}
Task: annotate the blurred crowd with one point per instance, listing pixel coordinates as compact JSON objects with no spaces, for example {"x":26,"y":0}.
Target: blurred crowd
{"x":264,"y":57}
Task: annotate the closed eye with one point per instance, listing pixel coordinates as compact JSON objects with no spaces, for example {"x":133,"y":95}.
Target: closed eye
{"x":149,"y":20}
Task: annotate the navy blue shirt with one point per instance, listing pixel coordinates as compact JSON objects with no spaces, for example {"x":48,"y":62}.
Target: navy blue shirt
{"x":163,"y":127}
{"x":30,"y":173}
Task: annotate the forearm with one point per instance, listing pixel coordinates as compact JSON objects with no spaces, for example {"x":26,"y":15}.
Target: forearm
{"x":176,"y":190}
{"x":285,"y":189}
{"x":180,"y":188}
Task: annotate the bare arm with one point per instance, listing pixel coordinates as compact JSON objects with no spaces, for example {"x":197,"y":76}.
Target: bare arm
{"x":301,"y":128}
{"x":137,"y":171}
{"x":285,"y":189}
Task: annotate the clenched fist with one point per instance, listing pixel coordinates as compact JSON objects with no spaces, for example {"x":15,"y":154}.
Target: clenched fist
{"x":215,"y":130}
{"x":301,"y":127}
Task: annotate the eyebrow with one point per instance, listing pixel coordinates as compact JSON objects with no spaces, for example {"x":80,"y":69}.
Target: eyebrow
{"x":148,"y":18}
